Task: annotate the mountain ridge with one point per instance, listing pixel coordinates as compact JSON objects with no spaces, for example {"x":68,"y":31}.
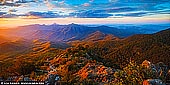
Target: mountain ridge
{"x":153,"y":47}
{"x":64,"y":33}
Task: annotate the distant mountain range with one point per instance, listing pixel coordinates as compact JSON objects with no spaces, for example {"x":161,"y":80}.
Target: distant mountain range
{"x":70,"y":32}
{"x":96,"y":36}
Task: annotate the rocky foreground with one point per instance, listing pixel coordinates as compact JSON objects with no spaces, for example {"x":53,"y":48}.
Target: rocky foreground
{"x":96,"y":73}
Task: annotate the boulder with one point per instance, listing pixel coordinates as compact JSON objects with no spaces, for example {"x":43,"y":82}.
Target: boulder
{"x":146,"y":63}
{"x":153,"y":82}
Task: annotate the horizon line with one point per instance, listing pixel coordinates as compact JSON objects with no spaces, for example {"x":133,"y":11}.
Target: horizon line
{"x":109,"y":25}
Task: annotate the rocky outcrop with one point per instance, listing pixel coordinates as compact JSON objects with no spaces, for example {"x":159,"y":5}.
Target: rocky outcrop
{"x":146,"y":64}
{"x":160,"y":70}
{"x":153,"y":82}
{"x":96,"y":72}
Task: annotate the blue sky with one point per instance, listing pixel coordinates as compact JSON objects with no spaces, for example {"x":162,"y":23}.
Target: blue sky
{"x":114,"y":9}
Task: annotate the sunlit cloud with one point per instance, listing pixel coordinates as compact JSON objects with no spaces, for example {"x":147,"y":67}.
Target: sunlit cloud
{"x":86,"y":4}
{"x":29,"y":17}
{"x":49,"y":5}
{"x":100,"y":10}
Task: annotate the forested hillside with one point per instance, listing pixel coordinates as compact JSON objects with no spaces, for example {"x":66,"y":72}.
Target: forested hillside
{"x":98,"y":59}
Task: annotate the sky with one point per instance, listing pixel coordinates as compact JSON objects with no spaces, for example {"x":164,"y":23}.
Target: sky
{"x":24,"y":12}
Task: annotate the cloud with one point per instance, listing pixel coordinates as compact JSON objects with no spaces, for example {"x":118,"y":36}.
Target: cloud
{"x":49,"y":5}
{"x":86,"y":4}
{"x":25,"y":1}
{"x":10,"y":4}
{"x":30,"y":17}
{"x":143,"y":1}
{"x":102,"y":13}
{"x":112,"y":10}
{"x":140,"y":14}
{"x":15,"y":3}
{"x":90,"y":14}
{"x":93,"y":14}
{"x":51,"y":14}
{"x":84,"y":8}
{"x":1,"y":13}
{"x":12,"y":10}
{"x":121,"y":9}
{"x":61,"y":3}
{"x":48,"y":14}
{"x":8,"y":16}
